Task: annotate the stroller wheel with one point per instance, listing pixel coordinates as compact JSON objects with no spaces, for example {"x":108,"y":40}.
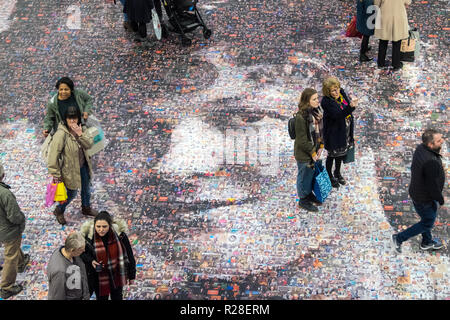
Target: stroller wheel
{"x":207,"y":33}
{"x":186,"y":41}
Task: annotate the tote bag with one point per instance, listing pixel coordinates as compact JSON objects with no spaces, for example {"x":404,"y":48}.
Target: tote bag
{"x":321,"y":182}
{"x":410,"y":48}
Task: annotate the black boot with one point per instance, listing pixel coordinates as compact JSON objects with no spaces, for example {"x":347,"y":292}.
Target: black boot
{"x":134,"y":26}
{"x":308,"y":206}
{"x":88,"y":211}
{"x":397,"y":68}
{"x":59,"y":216}
{"x":339,"y":178}
{"x":364,"y":58}
{"x":127,"y":26}
{"x":312,"y":198}
{"x":334,"y":181}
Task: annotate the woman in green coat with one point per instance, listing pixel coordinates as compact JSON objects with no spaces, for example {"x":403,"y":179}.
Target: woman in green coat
{"x":308,"y":145}
{"x":67,"y":96}
{"x":69,"y":163}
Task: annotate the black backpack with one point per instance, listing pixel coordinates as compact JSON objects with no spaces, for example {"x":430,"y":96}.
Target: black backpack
{"x":291,"y":127}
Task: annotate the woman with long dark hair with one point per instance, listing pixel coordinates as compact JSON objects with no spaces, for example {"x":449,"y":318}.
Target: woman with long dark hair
{"x":109,"y":258}
{"x":308,"y":145}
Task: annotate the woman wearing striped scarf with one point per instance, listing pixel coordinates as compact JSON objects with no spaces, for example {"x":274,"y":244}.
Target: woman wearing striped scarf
{"x":109,"y":258}
{"x":338,"y":127}
{"x":308,"y":146}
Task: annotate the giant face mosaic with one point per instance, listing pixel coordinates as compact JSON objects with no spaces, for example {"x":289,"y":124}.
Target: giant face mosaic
{"x":199,"y":161}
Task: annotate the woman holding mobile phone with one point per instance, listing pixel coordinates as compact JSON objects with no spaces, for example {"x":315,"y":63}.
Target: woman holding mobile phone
{"x":109,"y":258}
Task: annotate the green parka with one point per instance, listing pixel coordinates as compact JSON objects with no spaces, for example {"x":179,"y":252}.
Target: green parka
{"x":12,"y":219}
{"x":53,"y":118}
{"x":304,"y":148}
{"x":63,"y":159}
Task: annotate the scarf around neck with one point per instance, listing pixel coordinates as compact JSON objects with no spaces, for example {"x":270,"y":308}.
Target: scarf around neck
{"x":114,"y":259}
{"x":341,"y":101}
{"x":315,"y":116}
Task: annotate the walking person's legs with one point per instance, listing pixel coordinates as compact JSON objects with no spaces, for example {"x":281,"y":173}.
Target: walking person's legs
{"x":305,"y":177}
{"x":329,"y":167}
{"x":85,"y":186}
{"x":60,"y":208}
{"x":382,"y":48}
{"x":71,"y":194}
{"x":142,"y":29}
{"x":126,"y":23}
{"x":427,"y":212}
{"x":337,"y":170}
{"x":13,"y":258}
{"x":396,"y":63}
{"x":125,"y":16}
{"x":86,"y":208}
{"x":364,"y":48}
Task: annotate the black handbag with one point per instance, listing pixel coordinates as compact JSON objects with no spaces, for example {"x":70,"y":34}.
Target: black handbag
{"x":350,"y":156}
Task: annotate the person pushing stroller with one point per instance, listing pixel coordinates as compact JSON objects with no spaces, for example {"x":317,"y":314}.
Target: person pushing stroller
{"x":139,"y":13}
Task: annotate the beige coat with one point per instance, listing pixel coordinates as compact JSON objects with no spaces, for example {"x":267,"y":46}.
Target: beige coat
{"x":64,"y":144}
{"x":394,"y":20}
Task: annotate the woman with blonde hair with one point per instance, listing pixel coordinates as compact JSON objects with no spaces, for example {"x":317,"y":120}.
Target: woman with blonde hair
{"x":308,"y":145}
{"x":337,"y":127}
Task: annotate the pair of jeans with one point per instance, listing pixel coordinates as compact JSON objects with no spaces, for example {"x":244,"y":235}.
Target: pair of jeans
{"x":14,"y":258}
{"x":427,"y":212}
{"x":305,"y":178}
{"x":382,"y":49}
{"x":125,"y":17}
{"x":85,"y":190}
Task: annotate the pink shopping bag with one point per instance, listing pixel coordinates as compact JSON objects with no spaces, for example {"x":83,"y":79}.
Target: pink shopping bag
{"x":50,"y":194}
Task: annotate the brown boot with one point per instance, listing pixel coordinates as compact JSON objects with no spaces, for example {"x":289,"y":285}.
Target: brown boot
{"x":59,"y":216}
{"x":88,"y":211}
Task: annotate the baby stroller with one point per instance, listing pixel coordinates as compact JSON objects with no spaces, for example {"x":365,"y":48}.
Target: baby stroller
{"x":185,"y":18}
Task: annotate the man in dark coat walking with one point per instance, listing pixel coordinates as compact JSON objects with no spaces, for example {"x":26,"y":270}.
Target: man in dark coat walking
{"x":427,"y":183}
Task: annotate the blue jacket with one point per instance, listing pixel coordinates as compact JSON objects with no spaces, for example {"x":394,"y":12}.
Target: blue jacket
{"x":362,"y":16}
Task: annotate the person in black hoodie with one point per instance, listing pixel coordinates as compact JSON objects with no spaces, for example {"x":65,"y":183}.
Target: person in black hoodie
{"x":337,"y":127}
{"x":427,"y":183}
{"x":109,"y":258}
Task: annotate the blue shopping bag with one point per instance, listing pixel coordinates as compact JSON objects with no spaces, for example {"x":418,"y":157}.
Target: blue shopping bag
{"x":321,"y":182}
